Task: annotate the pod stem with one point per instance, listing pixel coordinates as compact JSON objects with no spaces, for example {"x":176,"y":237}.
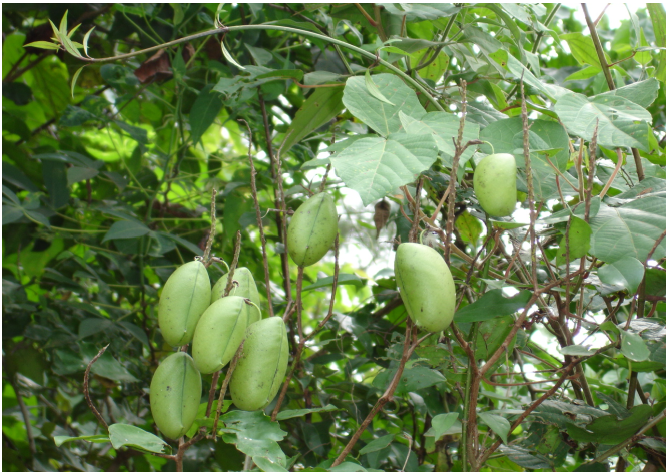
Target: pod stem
{"x":207,"y":259}
{"x":492,"y":148}
{"x":234,"y":264}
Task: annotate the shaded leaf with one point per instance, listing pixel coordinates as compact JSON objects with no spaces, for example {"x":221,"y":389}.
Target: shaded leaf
{"x":125,"y":229}
{"x":498,"y":424}
{"x":286,"y":414}
{"x":377,"y":444}
{"x":625,"y":274}
{"x":492,"y":305}
{"x":634,"y":348}
{"x":343,"y":279}
{"x":131,"y":436}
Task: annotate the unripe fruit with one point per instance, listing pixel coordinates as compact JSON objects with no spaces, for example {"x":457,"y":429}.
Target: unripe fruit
{"x":261,"y":366}
{"x":175,"y":393}
{"x":426,"y":286}
{"x":495,"y":184}
{"x":185,"y":296}
{"x":312,"y":230}
{"x":219,"y":332}
{"x":246,"y":288}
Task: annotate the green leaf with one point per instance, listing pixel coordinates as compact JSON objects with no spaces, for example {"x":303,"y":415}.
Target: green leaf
{"x":43,"y":45}
{"x":579,"y":241}
{"x":254,"y":434}
{"x":75,"y":77}
{"x":322,"y":106}
{"x":131,"y":436}
{"x":85,"y":41}
{"x":228,"y":57}
{"x":375,"y":167}
{"x":267,"y":465}
{"x":658,"y":17}
{"x":374,"y":91}
{"x":95,"y":438}
{"x":584,"y":74}
{"x":441,"y":424}
{"x":498,"y":424}
{"x":523,"y":458}
{"x":580,"y":351}
{"x":610,"y":430}
{"x":378,"y":115}
{"x":625,"y":274}
{"x":377,"y":444}
{"x":286,"y":414}
{"x":519,"y":70}
{"x":442,"y":126}
{"x":204,"y":111}
{"x":644,"y":57}
{"x":630,"y":230}
{"x":634,"y":348}
{"x":582,"y":48}
{"x":621,"y":121}
{"x":77,"y":174}
{"x":642,"y":93}
{"x":492,"y":305}
{"x":125,"y":229}
{"x":348,"y":467}
{"x":343,"y":279}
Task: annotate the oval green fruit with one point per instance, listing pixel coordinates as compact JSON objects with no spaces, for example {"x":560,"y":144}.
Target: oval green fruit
{"x":175,"y":393}
{"x":185,"y":296}
{"x":312,"y":230}
{"x":246,"y":288}
{"x":495,"y":184}
{"x":426,"y":286}
{"x":261,"y":366}
{"x":219,"y":332}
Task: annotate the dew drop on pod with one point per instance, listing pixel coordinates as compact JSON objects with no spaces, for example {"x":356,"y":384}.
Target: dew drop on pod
{"x":495,"y":184}
{"x":175,"y":393}
{"x":312,"y":230}
{"x":261,"y":366}
{"x":246,"y":288}
{"x":219,"y":332}
{"x":185,"y":296}
{"x":426,"y":286}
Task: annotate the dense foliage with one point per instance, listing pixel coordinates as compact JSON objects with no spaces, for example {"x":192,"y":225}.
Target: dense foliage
{"x":556,"y":357}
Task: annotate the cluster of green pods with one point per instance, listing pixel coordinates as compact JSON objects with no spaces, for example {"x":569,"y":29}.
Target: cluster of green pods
{"x":189,"y":311}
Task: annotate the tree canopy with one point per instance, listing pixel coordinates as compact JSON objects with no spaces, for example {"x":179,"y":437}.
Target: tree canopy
{"x":138,"y":138}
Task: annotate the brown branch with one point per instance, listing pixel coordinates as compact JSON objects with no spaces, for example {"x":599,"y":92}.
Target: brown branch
{"x":530,"y":186}
{"x":366,"y":15}
{"x":253,"y":185}
{"x":609,"y":79}
{"x":207,"y":260}
{"x":211,"y":392}
{"x":234,"y":264}
{"x":223,"y":389}
{"x":618,"y":166}
{"x":383,"y":400}
{"x":86,"y":384}
{"x":454,"y":172}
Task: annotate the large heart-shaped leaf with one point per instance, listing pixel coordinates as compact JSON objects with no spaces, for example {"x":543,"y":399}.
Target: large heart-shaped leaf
{"x":375,"y":167}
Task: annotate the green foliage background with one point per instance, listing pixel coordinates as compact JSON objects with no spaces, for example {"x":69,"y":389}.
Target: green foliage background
{"x":106,"y":190}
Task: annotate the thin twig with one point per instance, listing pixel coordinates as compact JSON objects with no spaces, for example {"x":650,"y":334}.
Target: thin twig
{"x":234,"y":264}
{"x":86,"y":384}
{"x":223,"y":389}
{"x":383,"y":400}
{"x":207,"y":260}
{"x":281,"y":219}
{"x":454,"y":172}
{"x":530,"y":186}
{"x":590,"y":171}
{"x":262,"y":236}
{"x":618,"y":166}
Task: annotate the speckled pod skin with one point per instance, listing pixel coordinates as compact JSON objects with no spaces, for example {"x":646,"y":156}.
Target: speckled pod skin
{"x":261,"y":366}
{"x":495,"y":184}
{"x":185,"y":296}
{"x":312,"y":230}
{"x":219,"y":332}
{"x":175,"y":393}
{"x":426,"y":286}
{"x":246,"y":288}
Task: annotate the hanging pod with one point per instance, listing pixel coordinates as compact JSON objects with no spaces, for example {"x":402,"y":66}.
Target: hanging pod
{"x":246,"y":288}
{"x":185,"y":296}
{"x":175,"y":393}
{"x":495,"y":184}
{"x":426,"y":286}
{"x":312,"y":230}
{"x":261,"y":366}
{"x":219,"y":333}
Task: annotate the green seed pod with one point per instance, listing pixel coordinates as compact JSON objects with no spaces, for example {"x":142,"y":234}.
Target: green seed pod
{"x":261,"y":366}
{"x":426,"y":286}
{"x":246,"y":288}
{"x":219,"y":332}
{"x":185,"y":296}
{"x":175,"y":393}
{"x":495,"y":184}
{"x":312,"y":230}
